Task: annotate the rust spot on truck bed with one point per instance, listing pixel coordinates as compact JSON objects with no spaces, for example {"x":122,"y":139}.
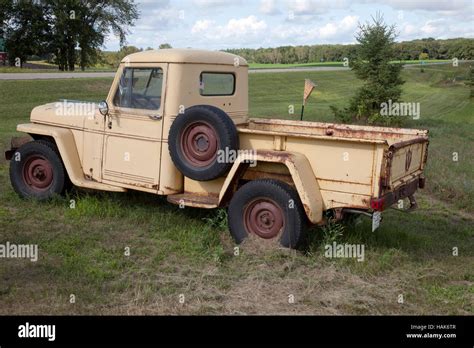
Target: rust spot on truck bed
{"x":274,"y":156}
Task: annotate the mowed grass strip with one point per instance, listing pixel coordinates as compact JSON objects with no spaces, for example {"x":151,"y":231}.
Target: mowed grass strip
{"x":336,"y":63}
{"x":134,"y":253}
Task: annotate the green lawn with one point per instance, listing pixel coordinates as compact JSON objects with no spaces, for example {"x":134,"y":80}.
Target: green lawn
{"x":189,"y":251}
{"x":301,"y":65}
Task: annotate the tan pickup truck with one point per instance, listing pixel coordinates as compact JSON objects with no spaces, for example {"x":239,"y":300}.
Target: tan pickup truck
{"x":176,"y":123}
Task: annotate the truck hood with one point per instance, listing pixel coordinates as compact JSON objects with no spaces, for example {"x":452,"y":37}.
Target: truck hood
{"x":70,"y":113}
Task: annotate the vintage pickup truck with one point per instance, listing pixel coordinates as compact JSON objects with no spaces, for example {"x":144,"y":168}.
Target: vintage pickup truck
{"x":176,"y":123}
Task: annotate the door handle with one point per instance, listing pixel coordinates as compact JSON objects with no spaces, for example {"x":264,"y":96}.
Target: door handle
{"x":155,"y":117}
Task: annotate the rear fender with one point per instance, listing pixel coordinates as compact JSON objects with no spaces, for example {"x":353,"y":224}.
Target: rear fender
{"x":301,"y":173}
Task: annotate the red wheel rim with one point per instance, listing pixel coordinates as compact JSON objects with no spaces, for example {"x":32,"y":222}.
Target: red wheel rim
{"x":38,"y":173}
{"x":199,"y":142}
{"x":264,"y":218}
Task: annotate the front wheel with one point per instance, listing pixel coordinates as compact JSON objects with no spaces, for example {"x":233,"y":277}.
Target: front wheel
{"x":269,"y":209}
{"x":37,"y":171}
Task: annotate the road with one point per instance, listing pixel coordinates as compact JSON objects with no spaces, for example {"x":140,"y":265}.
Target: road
{"x":42,"y":76}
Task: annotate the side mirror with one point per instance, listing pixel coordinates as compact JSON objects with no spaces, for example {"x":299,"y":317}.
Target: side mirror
{"x":103,"y":108}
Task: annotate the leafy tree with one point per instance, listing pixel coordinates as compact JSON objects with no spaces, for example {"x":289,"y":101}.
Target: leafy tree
{"x":6,"y":8}
{"x":25,"y":29}
{"x":382,"y":81}
{"x":98,"y":19}
{"x":164,"y":45}
{"x":114,"y":58}
{"x":73,"y":30}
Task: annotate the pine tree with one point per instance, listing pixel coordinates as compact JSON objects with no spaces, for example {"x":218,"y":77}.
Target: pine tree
{"x":382,"y":80}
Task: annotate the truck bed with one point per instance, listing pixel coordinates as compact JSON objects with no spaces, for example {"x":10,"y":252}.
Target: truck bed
{"x":353,"y":164}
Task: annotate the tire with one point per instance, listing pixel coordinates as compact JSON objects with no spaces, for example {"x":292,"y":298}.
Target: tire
{"x":195,"y":138}
{"x":263,"y":208}
{"x":39,"y":171}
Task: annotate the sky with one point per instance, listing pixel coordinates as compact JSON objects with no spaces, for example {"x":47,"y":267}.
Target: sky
{"x":222,"y":24}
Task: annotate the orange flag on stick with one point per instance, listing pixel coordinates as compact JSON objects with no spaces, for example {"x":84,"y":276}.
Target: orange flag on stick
{"x":308,"y":88}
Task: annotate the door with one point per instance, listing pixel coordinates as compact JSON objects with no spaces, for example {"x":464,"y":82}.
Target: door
{"x":133,"y":130}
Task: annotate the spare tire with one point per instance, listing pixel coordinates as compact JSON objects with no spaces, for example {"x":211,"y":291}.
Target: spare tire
{"x":195,"y":139}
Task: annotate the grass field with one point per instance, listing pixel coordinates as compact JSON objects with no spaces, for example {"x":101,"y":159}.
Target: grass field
{"x":301,"y":65}
{"x":189,"y":251}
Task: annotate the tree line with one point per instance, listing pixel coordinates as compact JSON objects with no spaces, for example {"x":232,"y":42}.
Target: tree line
{"x":427,"y":48}
{"x":68,"y":32}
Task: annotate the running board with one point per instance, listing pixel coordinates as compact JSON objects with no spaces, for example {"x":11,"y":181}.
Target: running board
{"x":194,"y":200}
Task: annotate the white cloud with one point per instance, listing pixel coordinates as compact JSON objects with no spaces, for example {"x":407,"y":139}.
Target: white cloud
{"x":243,"y":26}
{"x":201,"y":26}
{"x":430,"y":5}
{"x":269,"y":7}
{"x":348,"y":23}
{"x":327,"y":31}
{"x":235,"y":28}
{"x":215,"y":3}
{"x":460,"y":9}
{"x":438,"y":28}
{"x":314,"y":7}
{"x":409,"y":29}
{"x":431,"y":27}
{"x":337,"y":29}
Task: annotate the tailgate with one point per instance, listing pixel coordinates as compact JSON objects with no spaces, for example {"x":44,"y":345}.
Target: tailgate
{"x":405,"y":161}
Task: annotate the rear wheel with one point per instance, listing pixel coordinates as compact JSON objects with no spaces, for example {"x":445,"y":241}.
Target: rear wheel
{"x":37,"y":171}
{"x":268,"y":209}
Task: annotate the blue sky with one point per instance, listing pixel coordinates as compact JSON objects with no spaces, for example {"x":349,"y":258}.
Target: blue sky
{"x":220,"y":24}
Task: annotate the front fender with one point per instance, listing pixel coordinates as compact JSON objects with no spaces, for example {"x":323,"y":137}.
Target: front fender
{"x":67,"y":148}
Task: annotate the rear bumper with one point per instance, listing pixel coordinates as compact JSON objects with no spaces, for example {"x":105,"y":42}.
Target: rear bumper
{"x":390,"y":198}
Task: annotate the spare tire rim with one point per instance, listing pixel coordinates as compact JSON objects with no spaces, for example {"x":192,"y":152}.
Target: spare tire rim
{"x":199,"y":143}
{"x":38,"y":173}
{"x":264,"y":218}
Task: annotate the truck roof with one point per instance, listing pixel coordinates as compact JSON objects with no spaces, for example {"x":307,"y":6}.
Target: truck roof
{"x":175,"y":55}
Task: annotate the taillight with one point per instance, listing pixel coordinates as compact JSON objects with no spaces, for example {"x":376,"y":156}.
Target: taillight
{"x":377,"y":203}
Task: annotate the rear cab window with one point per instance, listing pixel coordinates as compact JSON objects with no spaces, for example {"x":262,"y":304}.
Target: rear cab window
{"x":216,"y":83}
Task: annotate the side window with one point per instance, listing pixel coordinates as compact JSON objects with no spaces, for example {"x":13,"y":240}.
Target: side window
{"x":140,"y":88}
{"x":212,"y":84}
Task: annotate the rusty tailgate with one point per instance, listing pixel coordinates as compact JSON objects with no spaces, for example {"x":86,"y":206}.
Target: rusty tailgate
{"x":405,"y":161}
